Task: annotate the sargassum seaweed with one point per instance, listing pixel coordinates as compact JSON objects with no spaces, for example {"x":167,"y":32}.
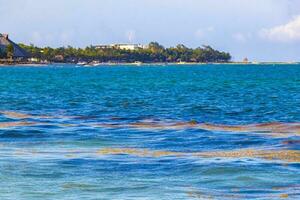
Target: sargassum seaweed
{"x":290,"y":156}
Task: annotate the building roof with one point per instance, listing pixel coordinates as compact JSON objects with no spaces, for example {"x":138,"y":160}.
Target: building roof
{"x":18,"y":51}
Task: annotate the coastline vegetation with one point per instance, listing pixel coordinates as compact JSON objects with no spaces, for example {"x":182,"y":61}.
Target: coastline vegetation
{"x":154,"y":53}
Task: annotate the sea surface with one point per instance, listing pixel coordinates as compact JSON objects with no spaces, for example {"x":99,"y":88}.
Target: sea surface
{"x":150,"y":132}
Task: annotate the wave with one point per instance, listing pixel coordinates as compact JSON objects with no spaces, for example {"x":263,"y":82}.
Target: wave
{"x":14,"y":134}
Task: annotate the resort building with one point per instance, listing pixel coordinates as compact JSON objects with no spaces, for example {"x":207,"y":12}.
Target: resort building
{"x":18,"y":52}
{"x":246,"y":60}
{"x":103,"y":47}
{"x":131,"y":47}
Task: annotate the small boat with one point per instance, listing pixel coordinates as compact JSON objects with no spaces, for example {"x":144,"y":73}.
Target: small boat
{"x":82,"y":63}
{"x":137,"y":63}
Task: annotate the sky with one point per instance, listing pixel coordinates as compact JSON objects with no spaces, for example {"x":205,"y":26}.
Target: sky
{"x":261,"y":30}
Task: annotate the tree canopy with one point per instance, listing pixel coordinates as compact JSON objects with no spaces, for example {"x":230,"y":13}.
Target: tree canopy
{"x":154,"y":53}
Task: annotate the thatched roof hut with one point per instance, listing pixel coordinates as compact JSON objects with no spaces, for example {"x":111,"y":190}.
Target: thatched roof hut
{"x":18,"y":51}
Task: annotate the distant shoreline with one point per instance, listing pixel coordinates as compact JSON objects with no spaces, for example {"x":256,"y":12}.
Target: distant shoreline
{"x":29,"y":64}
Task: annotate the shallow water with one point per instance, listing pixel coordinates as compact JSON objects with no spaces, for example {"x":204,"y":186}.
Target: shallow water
{"x":177,"y":132}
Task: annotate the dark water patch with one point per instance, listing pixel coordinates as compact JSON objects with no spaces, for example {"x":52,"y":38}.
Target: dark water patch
{"x":79,"y":186}
{"x":291,"y":142}
{"x":19,"y":134}
{"x":86,"y":117}
{"x":50,"y":126}
{"x":248,"y":143}
{"x":43,"y":174}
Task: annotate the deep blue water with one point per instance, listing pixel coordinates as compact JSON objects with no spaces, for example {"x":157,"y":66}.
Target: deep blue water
{"x":70,"y":132}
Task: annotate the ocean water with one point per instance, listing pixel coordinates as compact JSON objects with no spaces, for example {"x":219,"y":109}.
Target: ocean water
{"x":150,"y":132}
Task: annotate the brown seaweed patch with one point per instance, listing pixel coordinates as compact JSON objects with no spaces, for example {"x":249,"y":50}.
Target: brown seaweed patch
{"x":15,"y":115}
{"x":295,"y":188}
{"x":169,"y":126}
{"x":287,"y":156}
{"x":151,"y":125}
{"x":198,"y":195}
{"x":215,"y":127}
{"x":15,"y":124}
{"x":274,"y":129}
{"x":137,"y":152}
{"x":284,"y":196}
{"x":291,"y":156}
{"x":81,"y":186}
{"x":19,"y":115}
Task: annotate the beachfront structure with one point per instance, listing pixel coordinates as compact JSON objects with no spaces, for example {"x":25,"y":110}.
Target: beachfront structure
{"x":18,"y":52}
{"x":131,"y":47}
{"x":103,"y":46}
{"x":245,"y":60}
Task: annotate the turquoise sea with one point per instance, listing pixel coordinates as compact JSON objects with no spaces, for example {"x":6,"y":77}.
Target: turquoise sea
{"x":150,"y":132}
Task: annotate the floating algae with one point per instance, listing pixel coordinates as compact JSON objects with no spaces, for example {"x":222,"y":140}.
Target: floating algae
{"x":284,"y":196}
{"x":15,"y":115}
{"x":168,"y":126}
{"x":287,"y":156}
{"x":195,"y":194}
{"x":212,"y":194}
{"x":15,"y":124}
{"x":80,"y":186}
{"x":273,"y":129}
{"x":290,"y":156}
{"x":19,"y":115}
{"x":137,"y":152}
{"x":198,"y":195}
{"x":150,"y":125}
{"x":270,"y":129}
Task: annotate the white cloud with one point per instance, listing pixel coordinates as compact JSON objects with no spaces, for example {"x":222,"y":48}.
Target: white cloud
{"x":289,"y":32}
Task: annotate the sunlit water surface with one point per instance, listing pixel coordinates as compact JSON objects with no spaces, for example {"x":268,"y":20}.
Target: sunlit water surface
{"x":150,"y":132}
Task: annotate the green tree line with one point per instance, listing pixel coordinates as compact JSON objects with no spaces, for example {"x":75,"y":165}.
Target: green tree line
{"x":154,"y":53}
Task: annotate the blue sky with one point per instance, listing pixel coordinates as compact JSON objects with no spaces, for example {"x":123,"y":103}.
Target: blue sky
{"x":262,"y":30}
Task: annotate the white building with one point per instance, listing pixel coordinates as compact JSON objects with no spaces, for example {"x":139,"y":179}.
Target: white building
{"x":130,"y":47}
